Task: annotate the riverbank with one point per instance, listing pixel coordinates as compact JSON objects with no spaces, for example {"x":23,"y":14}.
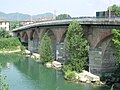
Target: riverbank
{"x":13,"y":51}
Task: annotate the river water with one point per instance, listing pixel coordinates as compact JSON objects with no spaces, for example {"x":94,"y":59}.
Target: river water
{"x":25,"y":74}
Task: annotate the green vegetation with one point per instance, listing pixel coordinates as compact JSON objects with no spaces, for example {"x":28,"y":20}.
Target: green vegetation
{"x":3,"y":86}
{"x":46,"y":51}
{"x":115,"y":9}
{"x":70,"y":75}
{"x":63,"y":16}
{"x":4,"y":34}
{"x":77,"y":48}
{"x":14,"y":24}
{"x":116,"y":41}
{"x":9,"y":43}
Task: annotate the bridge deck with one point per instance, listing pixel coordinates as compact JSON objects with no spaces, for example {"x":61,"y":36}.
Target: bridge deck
{"x":66,"y":22}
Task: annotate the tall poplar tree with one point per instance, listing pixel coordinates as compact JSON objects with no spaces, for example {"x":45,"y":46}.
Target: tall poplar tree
{"x":77,"y":48}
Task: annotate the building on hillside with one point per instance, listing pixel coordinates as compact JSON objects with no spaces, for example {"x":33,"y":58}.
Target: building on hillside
{"x":5,"y":25}
{"x":35,"y":20}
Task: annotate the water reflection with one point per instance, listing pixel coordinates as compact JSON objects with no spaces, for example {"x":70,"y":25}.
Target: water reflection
{"x":26,"y":74}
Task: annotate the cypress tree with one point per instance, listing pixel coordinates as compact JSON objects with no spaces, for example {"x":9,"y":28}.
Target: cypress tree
{"x":77,"y":48}
{"x":46,"y":51}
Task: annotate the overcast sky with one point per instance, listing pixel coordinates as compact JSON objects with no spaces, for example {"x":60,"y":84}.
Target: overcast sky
{"x":72,"y":7}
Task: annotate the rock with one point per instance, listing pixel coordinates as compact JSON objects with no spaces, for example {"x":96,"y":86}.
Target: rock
{"x":83,"y":79}
{"x":56,"y":64}
{"x":91,"y":76}
{"x":76,"y":76}
{"x":87,"y":77}
{"x":27,"y":52}
{"x":35,"y":56}
{"x":88,"y":81}
{"x":48,"y":65}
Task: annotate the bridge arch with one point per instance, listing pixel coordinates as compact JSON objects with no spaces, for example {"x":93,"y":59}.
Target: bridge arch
{"x":107,"y":58}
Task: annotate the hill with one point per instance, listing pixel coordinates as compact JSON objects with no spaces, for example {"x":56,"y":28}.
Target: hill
{"x":21,"y":16}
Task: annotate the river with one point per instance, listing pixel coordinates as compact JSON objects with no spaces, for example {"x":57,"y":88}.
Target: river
{"x":25,"y":74}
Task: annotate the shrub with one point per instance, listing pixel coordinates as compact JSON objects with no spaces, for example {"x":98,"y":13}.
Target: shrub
{"x":9,"y":43}
{"x":4,"y":34}
{"x":70,"y":75}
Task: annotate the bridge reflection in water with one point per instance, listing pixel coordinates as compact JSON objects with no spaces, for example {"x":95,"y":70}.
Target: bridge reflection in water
{"x":28,"y":75}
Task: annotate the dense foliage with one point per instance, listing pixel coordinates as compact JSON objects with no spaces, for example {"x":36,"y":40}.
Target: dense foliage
{"x":116,"y":41}
{"x":77,"y":48}
{"x":9,"y":43}
{"x":3,"y":86}
{"x":4,"y":34}
{"x":70,"y":75}
{"x":63,"y":16}
{"x":115,"y":9}
{"x":14,"y":24}
{"x":46,"y":51}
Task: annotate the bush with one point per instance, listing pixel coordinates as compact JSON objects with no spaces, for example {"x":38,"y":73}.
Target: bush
{"x":70,"y":75}
{"x":9,"y":43}
{"x":4,"y":34}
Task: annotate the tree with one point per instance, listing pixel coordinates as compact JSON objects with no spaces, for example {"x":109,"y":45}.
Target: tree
{"x":115,"y":9}
{"x":63,"y":16}
{"x":116,"y":47}
{"x":4,"y":34}
{"x":116,"y":41}
{"x":46,"y":51}
{"x":77,"y":48}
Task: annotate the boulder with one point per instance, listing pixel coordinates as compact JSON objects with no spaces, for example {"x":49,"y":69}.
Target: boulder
{"x":87,"y":77}
{"x":56,"y":64}
{"x":27,"y":52}
{"x":91,"y":76}
{"x":35,"y":55}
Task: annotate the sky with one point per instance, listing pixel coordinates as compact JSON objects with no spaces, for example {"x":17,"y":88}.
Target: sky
{"x":75,"y":8}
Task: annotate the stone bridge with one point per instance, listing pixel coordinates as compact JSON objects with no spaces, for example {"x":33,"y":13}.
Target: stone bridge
{"x":97,"y":32}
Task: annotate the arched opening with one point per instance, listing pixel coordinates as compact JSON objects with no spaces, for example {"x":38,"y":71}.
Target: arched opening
{"x":24,"y":40}
{"x":108,"y":60}
{"x":101,"y":57}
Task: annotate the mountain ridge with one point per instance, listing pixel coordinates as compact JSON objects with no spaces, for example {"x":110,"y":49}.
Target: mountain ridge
{"x":21,"y":16}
